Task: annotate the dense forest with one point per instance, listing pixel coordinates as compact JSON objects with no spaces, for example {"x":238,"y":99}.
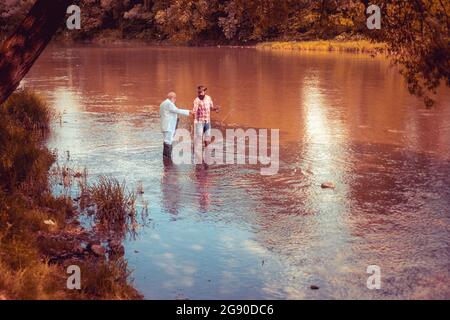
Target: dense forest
{"x":191,"y":21}
{"x":220,"y":21}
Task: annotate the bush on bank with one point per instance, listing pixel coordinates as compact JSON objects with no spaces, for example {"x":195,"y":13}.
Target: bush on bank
{"x":34,"y":224}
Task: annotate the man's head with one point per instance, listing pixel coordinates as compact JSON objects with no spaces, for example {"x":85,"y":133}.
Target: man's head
{"x":201,"y":90}
{"x":172,"y":96}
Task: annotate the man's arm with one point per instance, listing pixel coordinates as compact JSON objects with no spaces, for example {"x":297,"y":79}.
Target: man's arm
{"x":174,"y":109}
{"x":213,"y":108}
{"x":195,"y":108}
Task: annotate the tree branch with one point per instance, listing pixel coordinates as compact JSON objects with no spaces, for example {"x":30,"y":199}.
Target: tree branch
{"x":19,"y":52}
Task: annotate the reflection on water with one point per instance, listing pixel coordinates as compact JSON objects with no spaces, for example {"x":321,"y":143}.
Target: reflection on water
{"x":229,"y":232}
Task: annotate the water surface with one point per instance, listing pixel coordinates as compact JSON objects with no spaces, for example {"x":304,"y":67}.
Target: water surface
{"x":229,"y":232}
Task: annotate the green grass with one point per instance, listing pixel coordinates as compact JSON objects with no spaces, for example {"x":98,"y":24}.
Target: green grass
{"x":27,"y":243}
{"x":30,"y":110}
{"x":359,"y":47}
{"x":114,"y":203}
{"x":24,"y":162}
{"x":115,"y":211}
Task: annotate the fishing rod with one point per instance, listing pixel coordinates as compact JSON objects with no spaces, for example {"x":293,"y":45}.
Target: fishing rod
{"x":226,"y":117}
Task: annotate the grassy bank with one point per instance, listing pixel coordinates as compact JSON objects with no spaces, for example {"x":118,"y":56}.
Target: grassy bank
{"x":349,"y":46}
{"x":40,"y":234}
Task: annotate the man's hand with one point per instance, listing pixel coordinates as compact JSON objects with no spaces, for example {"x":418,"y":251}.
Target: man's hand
{"x":217,"y":109}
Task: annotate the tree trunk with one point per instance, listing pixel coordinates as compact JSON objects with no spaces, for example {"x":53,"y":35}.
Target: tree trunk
{"x":23,"y":47}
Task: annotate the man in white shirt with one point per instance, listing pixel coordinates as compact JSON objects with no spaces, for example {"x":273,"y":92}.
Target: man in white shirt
{"x":169,"y":112}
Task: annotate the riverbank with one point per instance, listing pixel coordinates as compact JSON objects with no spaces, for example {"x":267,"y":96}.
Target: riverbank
{"x":41,"y":234}
{"x":363,"y":47}
{"x":347,"y":46}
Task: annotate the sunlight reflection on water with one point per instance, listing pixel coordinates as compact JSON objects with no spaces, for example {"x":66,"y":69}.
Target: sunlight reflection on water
{"x":228,"y":232}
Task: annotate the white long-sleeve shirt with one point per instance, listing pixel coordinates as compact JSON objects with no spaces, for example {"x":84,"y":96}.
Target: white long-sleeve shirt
{"x":169,"y":115}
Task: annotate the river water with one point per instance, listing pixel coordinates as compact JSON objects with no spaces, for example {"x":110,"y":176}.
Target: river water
{"x":230,"y":232}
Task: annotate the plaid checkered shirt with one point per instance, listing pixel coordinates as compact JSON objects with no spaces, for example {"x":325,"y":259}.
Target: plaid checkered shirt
{"x":202,"y":109}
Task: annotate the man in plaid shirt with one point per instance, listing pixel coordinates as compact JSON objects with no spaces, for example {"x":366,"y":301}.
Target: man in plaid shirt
{"x":203,"y":105}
